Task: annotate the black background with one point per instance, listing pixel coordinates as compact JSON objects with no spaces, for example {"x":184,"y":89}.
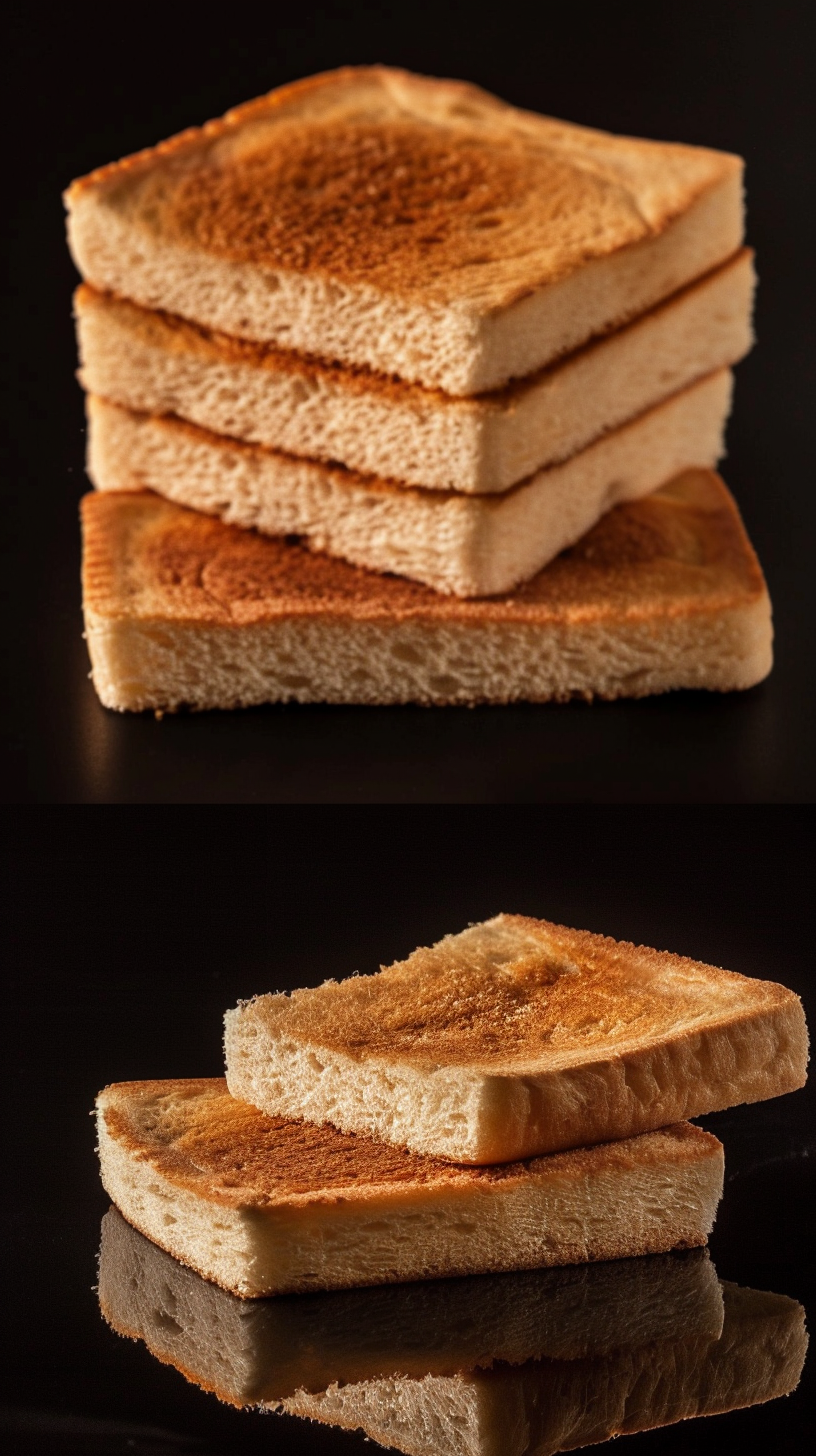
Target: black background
{"x":89,"y":83}
{"x":123,"y":952}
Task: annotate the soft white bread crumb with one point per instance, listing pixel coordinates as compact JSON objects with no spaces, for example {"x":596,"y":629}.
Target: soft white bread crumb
{"x":518,"y":1037}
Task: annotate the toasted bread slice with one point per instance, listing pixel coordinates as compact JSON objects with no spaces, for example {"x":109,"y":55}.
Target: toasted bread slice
{"x":664,"y":592}
{"x":158,"y":364}
{"x":271,"y":1206}
{"x":419,"y":227}
{"x":518,"y":1037}
{"x":468,"y":546}
{"x":261,"y":1351}
{"x":548,"y":1406}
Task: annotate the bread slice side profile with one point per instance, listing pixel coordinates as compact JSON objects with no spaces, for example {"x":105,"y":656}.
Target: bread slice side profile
{"x":467,"y":546}
{"x":271,"y":1206}
{"x":158,"y":364}
{"x":548,"y":1406}
{"x":261,"y":1351}
{"x":182,"y":610}
{"x":414,"y":226}
{"x":518,"y":1037}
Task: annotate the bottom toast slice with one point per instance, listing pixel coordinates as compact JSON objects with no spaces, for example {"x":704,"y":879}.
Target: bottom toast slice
{"x":182,"y":610}
{"x":266,"y":1205}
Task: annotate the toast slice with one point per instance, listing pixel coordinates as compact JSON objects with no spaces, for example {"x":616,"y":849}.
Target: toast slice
{"x":158,"y":364}
{"x":270,"y":1206}
{"x":252,"y":1352}
{"x":418,"y":227}
{"x":466,"y":546}
{"x":548,"y":1406}
{"x":663,"y":593}
{"x":518,"y":1037}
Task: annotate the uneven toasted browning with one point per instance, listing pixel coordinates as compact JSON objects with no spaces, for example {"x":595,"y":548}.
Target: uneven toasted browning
{"x":267,"y":1350}
{"x":550,"y":1406}
{"x":405,"y":223}
{"x":159,"y":364}
{"x":518,"y":1037}
{"x":268,"y":1206}
{"x":458,"y":544}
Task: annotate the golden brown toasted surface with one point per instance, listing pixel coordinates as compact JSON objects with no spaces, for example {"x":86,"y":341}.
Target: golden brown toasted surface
{"x":679,"y":552}
{"x":416,"y":186}
{"x":501,"y":994}
{"x":198,"y":1136}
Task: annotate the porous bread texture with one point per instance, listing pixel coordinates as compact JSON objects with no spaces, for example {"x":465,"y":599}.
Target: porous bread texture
{"x":548,"y":1406}
{"x":182,"y":610}
{"x":467,"y":546}
{"x":518,"y":1037}
{"x":270,"y":1206}
{"x":158,"y":364}
{"x":419,"y":227}
{"x":261,"y":1351}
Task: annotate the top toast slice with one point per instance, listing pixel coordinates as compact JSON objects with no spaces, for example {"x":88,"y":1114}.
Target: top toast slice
{"x":518,"y":1037}
{"x":420,"y":227}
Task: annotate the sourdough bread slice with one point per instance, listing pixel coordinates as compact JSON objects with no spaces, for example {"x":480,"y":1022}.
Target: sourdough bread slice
{"x":518,"y":1037}
{"x":467,"y":546}
{"x":415,"y":226}
{"x":548,"y":1406}
{"x":261,"y":1351}
{"x":158,"y":364}
{"x":664,"y":592}
{"x":271,"y":1206}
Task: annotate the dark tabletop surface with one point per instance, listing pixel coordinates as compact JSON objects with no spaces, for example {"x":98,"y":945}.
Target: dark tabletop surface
{"x":123,"y":953}
{"x":732,"y":75}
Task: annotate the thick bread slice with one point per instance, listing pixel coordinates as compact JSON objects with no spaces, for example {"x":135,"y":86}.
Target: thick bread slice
{"x":261,"y":1351}
{"x":549,"y":1406}
{"x":270,"y":1206}
{"x":419,"y":227}
{"x":467,"y":546}
{"x":158,"y":364}
{"x":518,"y":1037}
{"x":664,"y":592}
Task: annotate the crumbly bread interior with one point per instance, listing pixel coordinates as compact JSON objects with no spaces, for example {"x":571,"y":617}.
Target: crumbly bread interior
{"x":271,"y":1206}
{"x":665,"y":592}
{"x":256,"y":1351}
{"x":518,"y":1037}
{"x":549,"y":1406}
{"x":158,"y":364}
{"x":468,"y":546}
{"x":419,"y":227}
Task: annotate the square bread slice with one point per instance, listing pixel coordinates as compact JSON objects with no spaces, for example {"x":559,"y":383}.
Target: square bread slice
{"x":549,"y":1406}
{"x":251,"y":1352}
{"x":272,"y":1206}
{"x":182,"y":610}
{"x":463,"y":545}
{"x":419,"y":227}
{"x":518,"y":1037}
{"x":158,"y":364}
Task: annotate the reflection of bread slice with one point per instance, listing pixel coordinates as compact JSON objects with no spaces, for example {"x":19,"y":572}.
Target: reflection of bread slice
{"x":420,"y":227}
{"x":664,"y":592}
{"x":465,"y":545}
{"x":270,"y":1206}
{"x":548,"y":1406}
{"x":518,"y":1037}
{"x":264,"y":1350}
{"x":379,"y":426}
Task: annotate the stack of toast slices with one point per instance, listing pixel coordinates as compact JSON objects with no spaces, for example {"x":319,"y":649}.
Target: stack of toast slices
{"x":397,"y":393}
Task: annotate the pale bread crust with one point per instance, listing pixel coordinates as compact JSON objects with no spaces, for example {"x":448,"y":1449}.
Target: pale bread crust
{"x":515,"y":1038}
{"x":159,"y":364}
{"x":267,"y":1205}
{"x":665,"y":592}
{"x":467,"y":546}
{"x":442,"y":243}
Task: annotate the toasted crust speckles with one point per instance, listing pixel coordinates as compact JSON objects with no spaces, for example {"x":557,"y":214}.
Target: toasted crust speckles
{"x":680,"y":552}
